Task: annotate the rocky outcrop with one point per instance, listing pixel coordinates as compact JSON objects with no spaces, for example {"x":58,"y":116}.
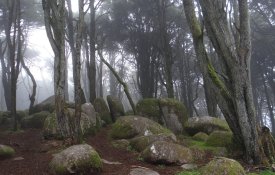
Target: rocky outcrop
{"x":200,"y":136}
{"x":102,"y":109}
{"x":127,"y":127}
{"x":219,"y":139}
{"x":205,"y":124}
{"x":116,"y":107}
{"x":168,"y":112}
{"x":142,"y":171}
{"x":77,"y":159}
{"x":35,"y":121}
{"x":89,"y":122}
{"x":6,"y":152}
{"x":167,"y":153}
{"x":223,"y":166}
{"x":140,"y":143}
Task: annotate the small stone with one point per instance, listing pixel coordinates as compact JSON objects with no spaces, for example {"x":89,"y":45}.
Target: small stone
{"x":110,"y":163}
{"x":18,"y":158}
{"x":189,"y":166}
{"x":142,"y":171}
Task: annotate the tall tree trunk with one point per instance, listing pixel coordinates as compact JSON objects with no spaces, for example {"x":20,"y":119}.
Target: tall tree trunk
{"x":54,"y":16}
{"x":269,"y":105}
{"x":234,"y":89}
{"x":92,"y":61}
{"x":34,"y":86}
{"x":5,"y":77}
{"x":125,"y":87}
{"x":165,"y":48}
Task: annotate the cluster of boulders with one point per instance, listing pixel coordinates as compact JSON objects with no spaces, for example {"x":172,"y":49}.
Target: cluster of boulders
{"x":151,"y":132}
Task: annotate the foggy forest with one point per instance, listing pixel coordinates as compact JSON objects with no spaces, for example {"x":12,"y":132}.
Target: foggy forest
{"x":137,"y":87}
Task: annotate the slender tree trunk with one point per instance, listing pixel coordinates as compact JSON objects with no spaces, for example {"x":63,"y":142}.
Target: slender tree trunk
{"x":126,"y":90}
{"x":34,"y":85}
{"x":54,"y":16}
{"x":165,"y":48}
{"x":92,"y":62}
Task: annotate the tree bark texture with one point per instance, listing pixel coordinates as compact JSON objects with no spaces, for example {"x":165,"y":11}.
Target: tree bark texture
{"x":54,"y":16}
{"x":233,"y":84}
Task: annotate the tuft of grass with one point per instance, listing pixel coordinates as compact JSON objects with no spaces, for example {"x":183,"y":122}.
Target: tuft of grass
{"x":267,"y":172}
{"x":189,"y":173}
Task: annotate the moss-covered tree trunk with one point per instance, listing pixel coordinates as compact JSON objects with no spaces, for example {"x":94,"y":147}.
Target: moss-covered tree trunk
{"x":232,"y":84}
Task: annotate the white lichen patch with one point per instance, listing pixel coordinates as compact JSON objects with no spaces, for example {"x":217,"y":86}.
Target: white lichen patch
{"x":153,"y":149}
{"x":147,"y":133}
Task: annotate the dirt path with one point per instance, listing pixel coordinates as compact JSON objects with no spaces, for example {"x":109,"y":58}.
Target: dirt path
{"x":28,"y":144}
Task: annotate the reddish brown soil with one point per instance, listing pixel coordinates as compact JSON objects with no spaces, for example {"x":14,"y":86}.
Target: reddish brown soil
{"x":28,"y":145}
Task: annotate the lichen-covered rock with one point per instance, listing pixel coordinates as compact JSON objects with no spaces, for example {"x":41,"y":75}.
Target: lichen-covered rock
{"x":102,"y":109}
{"x":77,"y":159}
{"x":140,"y":143}
{"x":168,"y":112}
{"x":200,"y":136}
{"x":174,"y":114}
{"x":35,"y":121}
{"x":205,"y":124}
{"x":88,"y":124}
{"x":142,"y":171}
{"x":6,"y":152}
{"x":46,"y":105}
{"x":127,"y":127}
{"x":167,"y":153}
{"x":219,"y":139}
{"x":116,"y":107}
{"x":88,"y":109}
{"x":223,"y":166}
{"x":149,"y":108}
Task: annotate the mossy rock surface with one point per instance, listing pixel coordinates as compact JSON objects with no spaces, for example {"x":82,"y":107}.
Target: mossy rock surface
{"x":201,"y":136}
{"x":166,"y":111}
{"x":140,"y":143}
{"x":205,"y":124}
{"x":47,"y":105}
{"x":223,"y":166}
{"x":149,"y":108}
{"x":77,"y":159}
{"x":116,"y":107}
{"x":167,"y":153}
{"x":176,"y":107}
{"x":219,"y":139}
{"x":127,"y":127}
{"x":35,"y":121}
{"x":6,"y":152}
{"x":88,"y":124}
{"x":102,"y":109}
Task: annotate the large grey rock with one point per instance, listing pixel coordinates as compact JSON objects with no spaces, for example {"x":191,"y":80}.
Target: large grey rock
{"x":127,"y":127}
{"x":116,"y":107}
{"x":46,"y":105}
{"x":142,"y":171}
{"x":102,"y":109}
{"x":89,"y":124}
{"x":205,"y":124}
{"x":6,"y":151}
{"x":223,"y":166}
{"x":140,"y":143}
{"x":168,"y":112}
{"x":88,"y":109}
{"x":167,"y":153}
{"x":35,"y":121}
{"x":77,"y":159}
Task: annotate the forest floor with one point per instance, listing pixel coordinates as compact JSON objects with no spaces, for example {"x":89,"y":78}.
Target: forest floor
{"x":33,"y":156}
